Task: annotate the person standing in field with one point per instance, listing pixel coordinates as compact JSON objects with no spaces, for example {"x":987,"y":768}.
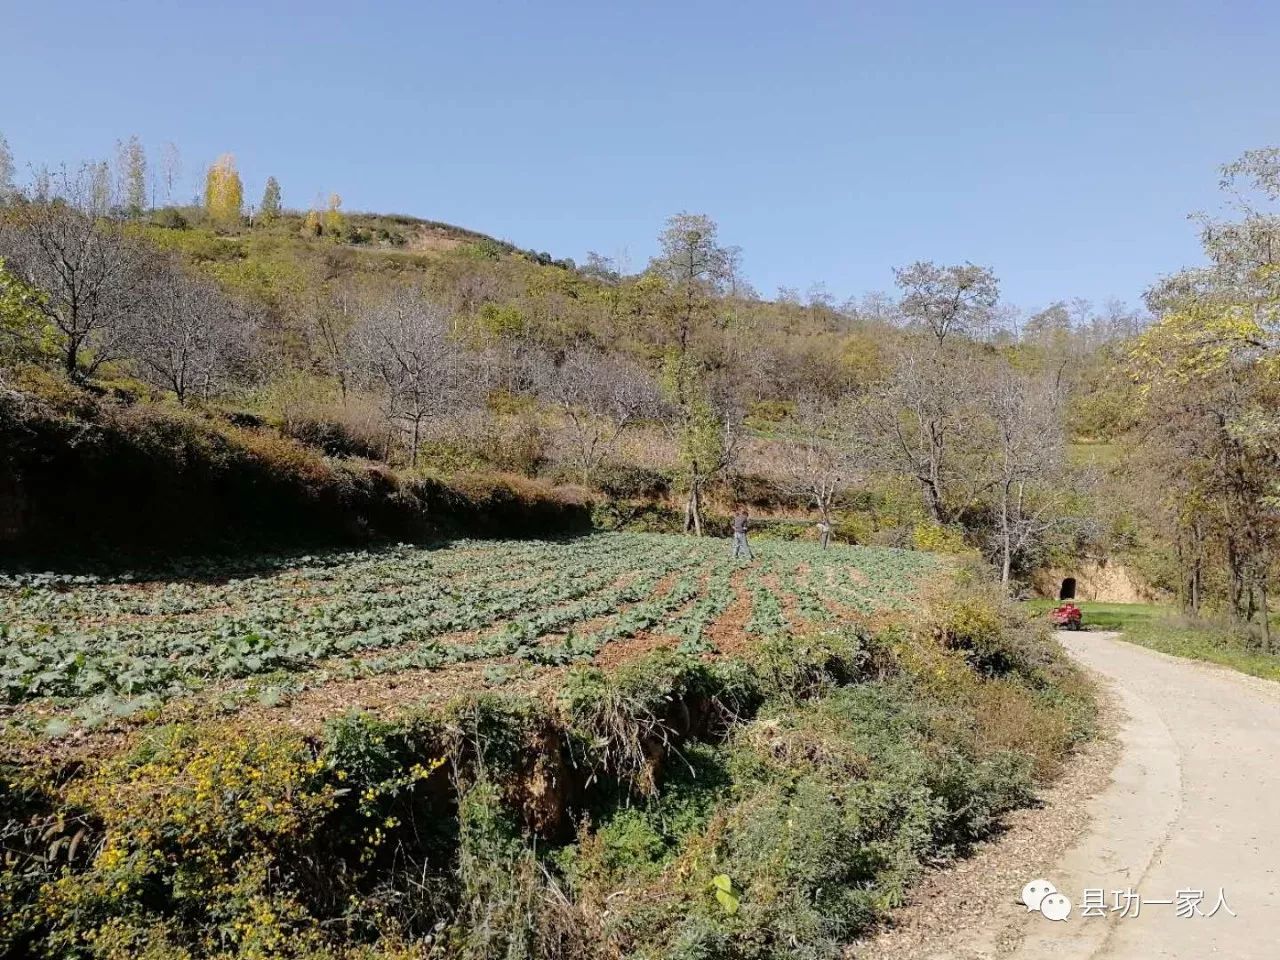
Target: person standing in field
{"x":824,"y":532}
{"x":740,"y":545}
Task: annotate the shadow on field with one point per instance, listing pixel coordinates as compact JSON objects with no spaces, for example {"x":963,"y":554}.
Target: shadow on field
{"x":220,"y":567}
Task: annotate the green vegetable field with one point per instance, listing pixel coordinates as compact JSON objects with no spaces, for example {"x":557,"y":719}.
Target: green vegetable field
{"x":489,"y":750}
{"x":81,"y":652}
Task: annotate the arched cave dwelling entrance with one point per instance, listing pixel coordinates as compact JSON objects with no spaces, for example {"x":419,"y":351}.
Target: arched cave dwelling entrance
{"x":1068,"y":589}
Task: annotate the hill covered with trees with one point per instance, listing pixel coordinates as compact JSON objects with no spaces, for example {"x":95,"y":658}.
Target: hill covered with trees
{"x":356,"y":345}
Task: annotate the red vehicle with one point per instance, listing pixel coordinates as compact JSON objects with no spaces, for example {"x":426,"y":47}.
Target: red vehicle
{"x":1067,"y":616}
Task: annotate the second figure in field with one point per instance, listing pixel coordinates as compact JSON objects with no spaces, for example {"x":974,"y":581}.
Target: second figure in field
{"x":740,"y":545}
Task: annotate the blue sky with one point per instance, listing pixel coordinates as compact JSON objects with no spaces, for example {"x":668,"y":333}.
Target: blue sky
{"x":1061,"y":144}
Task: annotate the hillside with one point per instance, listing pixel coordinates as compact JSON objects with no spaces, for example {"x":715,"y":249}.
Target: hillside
{"x":519,"y":698}
{"x":871,"y":557}
{"x":491,"y":360}
{"x":938,"y":418}
{"x":517,"y":714}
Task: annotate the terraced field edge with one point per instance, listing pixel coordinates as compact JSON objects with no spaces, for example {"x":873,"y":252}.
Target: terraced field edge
{"x":83,"y":478}
{"x":773,"y":802}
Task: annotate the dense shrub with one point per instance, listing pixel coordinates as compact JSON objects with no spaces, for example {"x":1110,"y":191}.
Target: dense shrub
{"x":995,"y":635}
{"x":638,"y":517}
{"x":763,"y":493}
{"x":798,"y":668}
{"x":936,"y":538}
{"x":1000,"y":678}
{"x":630,"y":718}
{"x":336,"y":437}
{"x":812,"y":820}
{"x":630,"y":482}
{"x":170,"y":218}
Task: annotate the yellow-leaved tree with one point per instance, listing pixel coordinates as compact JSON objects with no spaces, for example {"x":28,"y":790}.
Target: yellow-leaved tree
{"x":334,"y":220}
{"x":223,"y":192}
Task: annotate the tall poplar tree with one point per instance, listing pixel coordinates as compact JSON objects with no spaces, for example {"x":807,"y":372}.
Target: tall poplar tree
{"x":6,"y":168}
{"x":271,"y":199}
{"x":131,"y":168}
{"x":224,"y":192}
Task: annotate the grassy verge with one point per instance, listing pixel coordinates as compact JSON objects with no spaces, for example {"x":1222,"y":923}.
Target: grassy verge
{"x":768,"y":806}
{"x":1108,"y":616}
{"x":1215,"y":643}
{"x":1162,"y":628}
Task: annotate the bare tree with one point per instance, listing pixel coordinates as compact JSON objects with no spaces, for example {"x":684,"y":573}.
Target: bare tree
{"x":875,"y":307}
{"x":819,"y":461}
{"x":170,"y":169}
{"x":58,"y":241}
{"x":947,"y":300}
{"x":1028,"y":466}
{"x":6,"y":169}
{"x":1116,"y":321}
{"x":923,"y":421}
{"x":102,"y":195}
{"x":332,"y":310}
{"x":600,"y":396}
{"x":188,"y":337}
{"x":601,"y":268}
{"x":406,"y":352}
{"x":131,"y":176}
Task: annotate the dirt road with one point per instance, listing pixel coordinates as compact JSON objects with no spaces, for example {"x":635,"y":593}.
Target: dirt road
{"x":1192,"y":804}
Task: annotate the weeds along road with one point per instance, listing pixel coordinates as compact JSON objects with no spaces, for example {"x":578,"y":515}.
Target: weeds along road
{"x":1193,"y":805}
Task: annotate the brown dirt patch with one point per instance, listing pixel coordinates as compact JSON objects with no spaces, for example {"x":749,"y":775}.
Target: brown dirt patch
{"x":729,"y":632}
{"x":387,"y":695}
{"x":431,"y":240}
{"x":617,"y":653}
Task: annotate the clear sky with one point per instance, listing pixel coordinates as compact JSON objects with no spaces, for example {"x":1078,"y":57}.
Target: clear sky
{"x":1061,"y":143}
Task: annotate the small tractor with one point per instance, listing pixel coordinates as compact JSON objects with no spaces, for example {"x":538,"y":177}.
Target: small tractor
{"x":1066,"y":616}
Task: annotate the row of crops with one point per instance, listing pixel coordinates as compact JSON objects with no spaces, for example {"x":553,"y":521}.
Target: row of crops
{"x":95,"y":648}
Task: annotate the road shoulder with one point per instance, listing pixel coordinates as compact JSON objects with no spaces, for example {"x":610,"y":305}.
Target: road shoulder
{"x":968,"y":910}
